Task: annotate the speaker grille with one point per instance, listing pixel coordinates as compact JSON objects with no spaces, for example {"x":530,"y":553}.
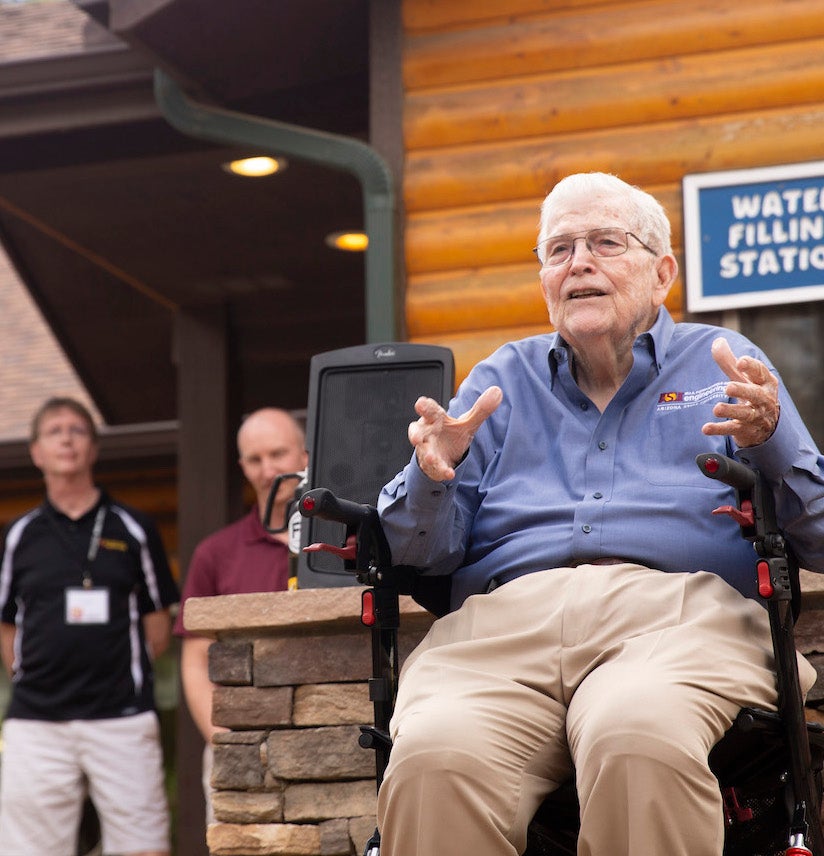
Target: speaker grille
{"x":362,"y":439}
{"x":357,"y":431}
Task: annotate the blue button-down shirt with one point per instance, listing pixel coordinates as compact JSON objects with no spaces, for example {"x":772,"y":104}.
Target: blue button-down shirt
{"x":549,"y":481}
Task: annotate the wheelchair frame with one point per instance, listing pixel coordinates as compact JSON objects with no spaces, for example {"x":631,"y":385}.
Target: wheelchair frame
{"x":791,"y":748}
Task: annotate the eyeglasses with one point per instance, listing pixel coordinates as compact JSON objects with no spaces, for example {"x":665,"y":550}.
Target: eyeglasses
{"x":604,"y":243}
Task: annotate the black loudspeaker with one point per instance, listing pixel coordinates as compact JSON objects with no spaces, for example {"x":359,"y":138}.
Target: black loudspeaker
{"x":361,"y":401}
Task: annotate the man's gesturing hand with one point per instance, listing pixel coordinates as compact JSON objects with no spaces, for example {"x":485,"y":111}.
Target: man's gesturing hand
{"x":440,"y":440}
{"x":752,"y":419}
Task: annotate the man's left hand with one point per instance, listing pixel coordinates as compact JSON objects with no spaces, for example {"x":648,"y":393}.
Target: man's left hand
{"x":752,"y":418}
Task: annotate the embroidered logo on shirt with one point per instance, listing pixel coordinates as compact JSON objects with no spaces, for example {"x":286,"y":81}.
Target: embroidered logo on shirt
{"x":677,"y":400}
{"x":113,"y":544}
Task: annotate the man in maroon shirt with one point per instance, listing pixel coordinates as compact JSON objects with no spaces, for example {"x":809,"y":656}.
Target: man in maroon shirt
{"x":242,"y":557}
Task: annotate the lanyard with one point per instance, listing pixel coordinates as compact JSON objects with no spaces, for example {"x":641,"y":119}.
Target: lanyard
{"x":94,"y":542}
{"x":94,"y":546}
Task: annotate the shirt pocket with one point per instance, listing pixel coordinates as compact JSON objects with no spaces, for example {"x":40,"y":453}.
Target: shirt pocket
{"x":675,"y":439}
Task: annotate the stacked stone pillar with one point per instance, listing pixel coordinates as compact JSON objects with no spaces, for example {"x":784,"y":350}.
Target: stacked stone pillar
{"x":291,"y":670}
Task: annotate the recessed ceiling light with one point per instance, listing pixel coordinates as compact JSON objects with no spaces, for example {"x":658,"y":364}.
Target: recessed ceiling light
{"x":352,"y":242}
{"x":256,"y":167}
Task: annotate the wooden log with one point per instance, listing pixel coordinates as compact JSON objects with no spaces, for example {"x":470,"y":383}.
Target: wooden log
{"x":497,"y":233}
{"x":475,"y":299}
{"x":652,"y":154}
{"x":632,"y":94}
{"x":486,"y":298}
{"x":506,"y":44}
{"x":494,"y":234}
{"x":426,"y":15}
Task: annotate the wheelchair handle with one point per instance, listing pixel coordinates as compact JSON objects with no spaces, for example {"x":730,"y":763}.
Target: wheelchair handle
{"x":290,"y":507}
{"x":727,"y":470}
{"x":321,"y":502}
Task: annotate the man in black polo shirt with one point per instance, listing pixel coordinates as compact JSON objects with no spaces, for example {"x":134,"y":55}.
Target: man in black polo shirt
{"x":85,"y":590}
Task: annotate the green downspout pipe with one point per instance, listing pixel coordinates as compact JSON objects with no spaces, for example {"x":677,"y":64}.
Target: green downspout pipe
{"x":338,"y":152}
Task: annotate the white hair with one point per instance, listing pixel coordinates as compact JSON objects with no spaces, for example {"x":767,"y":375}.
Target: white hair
{"x":645,"y":214}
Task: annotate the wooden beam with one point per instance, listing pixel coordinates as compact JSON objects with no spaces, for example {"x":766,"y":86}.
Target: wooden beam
{"x":209,"y":496}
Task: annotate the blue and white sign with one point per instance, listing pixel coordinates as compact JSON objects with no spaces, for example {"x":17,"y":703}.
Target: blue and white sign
{"x":754,"y":237}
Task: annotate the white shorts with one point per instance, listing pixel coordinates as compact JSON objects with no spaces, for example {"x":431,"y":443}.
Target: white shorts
{"x":48,"y":768}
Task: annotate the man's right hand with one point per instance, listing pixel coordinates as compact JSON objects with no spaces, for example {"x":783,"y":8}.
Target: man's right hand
{"x":440,"y":440}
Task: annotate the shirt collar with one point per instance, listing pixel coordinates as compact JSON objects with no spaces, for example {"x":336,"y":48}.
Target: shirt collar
{"x":103,"y":499}
{"x":658,"y":338}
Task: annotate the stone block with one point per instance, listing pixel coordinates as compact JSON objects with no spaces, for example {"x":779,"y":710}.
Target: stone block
{"x":334,"y":837}
{"x":237,"y":767}
{"x":256,"y":839}
{"x":318,"y":659}
{"x":248,"y":806}
{"x":332,"y":704}
{"x":253,"y":615}
{"x":250,"y":738}
{"x":816,"y":693}
{"x":812,"y":591}
{"x":809,"y":631}
{"x":361,"y":829}
{"x":230,"y":663}
{"x":318,"y":753}
{"x":252,"y":707}
{"x":319,"y":801}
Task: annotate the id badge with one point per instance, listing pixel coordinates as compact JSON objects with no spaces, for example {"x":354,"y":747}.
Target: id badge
{"x":87,"y":606}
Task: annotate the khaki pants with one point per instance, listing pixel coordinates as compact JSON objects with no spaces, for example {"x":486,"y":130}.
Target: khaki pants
{"x":626,"y":674}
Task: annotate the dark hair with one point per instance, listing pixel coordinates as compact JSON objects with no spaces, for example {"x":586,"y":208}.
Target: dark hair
{"x":62,"y":403}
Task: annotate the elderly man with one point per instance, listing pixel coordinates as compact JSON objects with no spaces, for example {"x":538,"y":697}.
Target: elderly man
{"x":603,"y":621}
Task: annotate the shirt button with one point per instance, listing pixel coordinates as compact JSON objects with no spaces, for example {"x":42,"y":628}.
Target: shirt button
{"x":584,"y":405}
{"x":598,"y":494}
{"x":422,"y":532}
{"x":436,"y":493}
{"x":586,"y":528}
{"x":602,"y":445}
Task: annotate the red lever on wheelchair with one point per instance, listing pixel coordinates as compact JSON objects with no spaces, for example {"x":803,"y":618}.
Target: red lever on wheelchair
{"x":765,"y":584}
{"x":349,"y":552}
{"x":743,"y":516}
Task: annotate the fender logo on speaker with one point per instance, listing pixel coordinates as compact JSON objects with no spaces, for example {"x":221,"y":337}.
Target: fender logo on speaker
{"x":384,"y":352}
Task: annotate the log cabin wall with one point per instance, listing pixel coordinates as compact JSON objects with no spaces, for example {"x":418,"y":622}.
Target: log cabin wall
{"x":502,"y":98}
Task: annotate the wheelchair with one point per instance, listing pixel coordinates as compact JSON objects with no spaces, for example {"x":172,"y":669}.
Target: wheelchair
{"x":768,"y":764}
